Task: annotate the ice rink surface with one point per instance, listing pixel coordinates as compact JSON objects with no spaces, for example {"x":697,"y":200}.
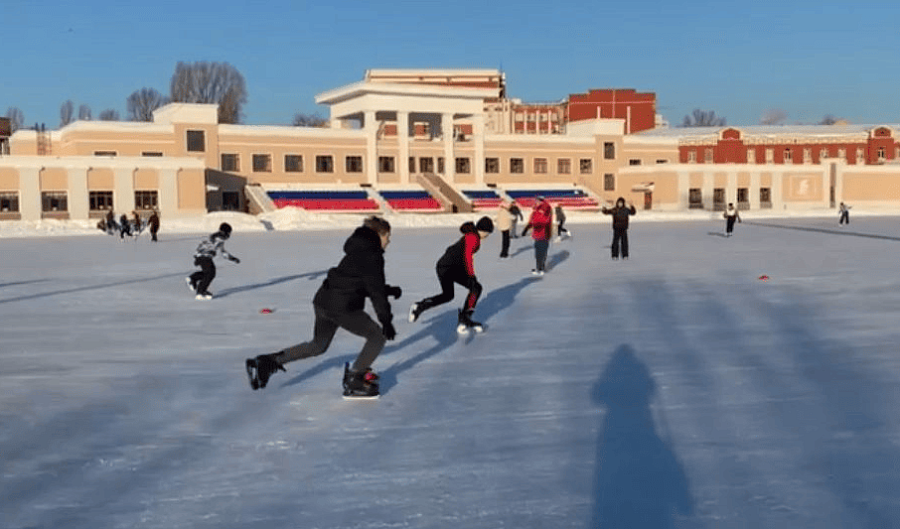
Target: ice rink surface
{"x":675,"y":389}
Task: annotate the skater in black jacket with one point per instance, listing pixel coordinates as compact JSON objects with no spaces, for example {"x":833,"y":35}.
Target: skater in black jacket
{"x":457,"y":266}
{"x":339,"y":303}
{"x":199,"y":281}
{"x":620,"y":215}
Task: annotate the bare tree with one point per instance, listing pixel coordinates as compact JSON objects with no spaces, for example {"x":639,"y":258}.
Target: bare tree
{"x":210,"y":82}
{"x":309,"y":120}
{"x":703,"y":118}
{"x":773,"y":116}
{"x":16,"y":118}
{"x":84,"y":112}
{"x":141,"y":104}
{"x":109,"y":115}
{"x":828,"y":120}
{"x":66,"y":113}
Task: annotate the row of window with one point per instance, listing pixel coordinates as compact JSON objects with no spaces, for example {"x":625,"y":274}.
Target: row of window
{"x":788,"y":154}
{"x":58,"y":201}
{"x":695,"y":198}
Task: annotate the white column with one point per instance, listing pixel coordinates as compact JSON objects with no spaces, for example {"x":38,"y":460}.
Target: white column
{"x":123,"y":196}
{"x":371,"y":128}
{"x":30,"y":192}
{"x":478,"y":137}
{"x":684,"y":190}
{"x":730,"y":186}
{"x":838,"y":170}
{"x":78,"y":196}
{"x":168,"y":192}
{"x":707,"y":190}
{"x":754,"y":189}
{"x":777,"y":187}
{"x":403,"y":144}
{"x":449,"y":158}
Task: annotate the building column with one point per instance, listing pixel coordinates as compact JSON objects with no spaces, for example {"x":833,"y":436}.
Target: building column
{"x":684,"y":190}
{"x":707,"y":191}
{"x":123,"y":198}
{"x":730,"y":187}
{"x":403,"y":145}
{"x":777,"y":190}
{"x":837,"y":171}
{"x":78,"y":195}
{"x":478,"y":137}
{"x":449,"y":140}
{"x":754,"y":190}
{"x":168,"y":192}
{"x":30,"y":192}
{"x":370,"y":125}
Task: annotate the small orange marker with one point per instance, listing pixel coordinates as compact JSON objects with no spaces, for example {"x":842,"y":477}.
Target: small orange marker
{"x":266,"y":311}
{"x":763,"y":277}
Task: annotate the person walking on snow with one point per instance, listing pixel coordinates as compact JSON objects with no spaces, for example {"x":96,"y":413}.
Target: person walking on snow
{"x":560,"y":224}
{"x":504,"y":224}
{"x":541,"y":225}
{"x":199,"y":281}
{"x":339,"y":304}
{"x":620,"y":215}
{"x":731,"y":214}
{"x":153,"y":223}
{"x":457,"y":266}
{"x":844,"y":214}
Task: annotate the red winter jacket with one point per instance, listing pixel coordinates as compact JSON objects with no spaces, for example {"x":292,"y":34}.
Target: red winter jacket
{"x":541,"y":222}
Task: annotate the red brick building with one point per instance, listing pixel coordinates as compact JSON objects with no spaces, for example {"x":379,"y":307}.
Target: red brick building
{"x":637,"y":109}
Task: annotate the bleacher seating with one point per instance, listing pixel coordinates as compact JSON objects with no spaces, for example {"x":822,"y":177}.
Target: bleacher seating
{"x":325,"y":200}
{"x":483,"y":199}
{"x":411,"y":200}
{"x":568,"y":198}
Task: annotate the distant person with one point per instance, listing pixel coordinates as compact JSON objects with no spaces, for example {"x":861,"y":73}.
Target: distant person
{"x":541,"y":225}
{"x":339,"y":304}
{"x":124,"y":227}
{"x":504,"y":224}
{"x":620,"y":215}
{"x":110,"y":224}
{"x":137,"y":222}
{"x":844,"y":214}
{"x":153,"y":224}
{"x":731,"y":214}
{"x":561,"y":231}
{"x":200,"y":280}
{"x":516,"y":217}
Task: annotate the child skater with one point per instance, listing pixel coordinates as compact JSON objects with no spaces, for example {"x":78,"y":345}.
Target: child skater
{"x":339,"y":303}
{"x":457,"y":266}
{"x":199,"y":281}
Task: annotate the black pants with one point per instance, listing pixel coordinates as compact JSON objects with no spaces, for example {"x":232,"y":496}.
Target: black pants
{"x":203,"y":277}
{"x":845,"y":218}
{"x":729,"y":224}
{"x":504,"y":246}
{"x":541,"y":247}
{"x":153,"y":235}
{"x":327,"y":323}
{"x":620,"y":235}
{"x":448,"y":278}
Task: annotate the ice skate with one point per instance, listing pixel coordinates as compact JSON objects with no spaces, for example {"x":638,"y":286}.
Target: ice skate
{"x":261,"y":368}
{"x":466,"y":324}
{"x":360,"y":385}
{"x":414,"y":312}
{"x":190,"y":284}
{"x":203,"y":296}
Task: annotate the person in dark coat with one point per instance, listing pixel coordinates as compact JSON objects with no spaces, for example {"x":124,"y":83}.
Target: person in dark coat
{"x":457,"y":266}
{"x":153,"y":223}
{"x":620,"y":215}
{"x":124,"y":227}
{"x":339,"y":304}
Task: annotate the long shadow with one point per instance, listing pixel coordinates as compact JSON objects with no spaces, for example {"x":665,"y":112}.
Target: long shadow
{"x":638,"y":482}
{"x":91,"y":287}
{"x":17,"y":283}
{"x":716,"y":234}
{"x":557,"y":259}
{"x":271,"y":282}
{"x":823,"y":230}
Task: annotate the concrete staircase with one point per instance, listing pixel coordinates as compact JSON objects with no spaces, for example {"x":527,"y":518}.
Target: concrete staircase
{"x":452,"y":199}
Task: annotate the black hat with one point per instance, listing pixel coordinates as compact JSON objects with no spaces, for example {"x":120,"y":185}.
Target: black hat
{"x":485,"y":224}
{"x":225,"y":228}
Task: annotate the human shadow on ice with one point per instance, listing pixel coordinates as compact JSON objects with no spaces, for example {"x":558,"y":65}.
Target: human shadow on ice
{"x":17,"y":283}
{"x":638,"y":481}
{"x":829,"y":231}
{"x":90,"y":287}
{"x":275,"y":281}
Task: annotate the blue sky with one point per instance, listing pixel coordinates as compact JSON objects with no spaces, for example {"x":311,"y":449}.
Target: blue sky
{"x":803,"y":57}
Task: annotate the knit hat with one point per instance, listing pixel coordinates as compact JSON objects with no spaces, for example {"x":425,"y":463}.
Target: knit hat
{"x":485,"y":224}
{"x":225,"y":228}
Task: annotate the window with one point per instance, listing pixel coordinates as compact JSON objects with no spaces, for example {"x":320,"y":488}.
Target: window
{"x":540,"y":165}
{"x":695,"y":198}
{"x":440,"y":165}
{"x":692,"y":156}
{"x":770,"y":155}
{"x":516,"y":165}
{"x":492,"y":165}
{"x":426,"y":165}
{"x":807,"y":155}
{"x":609,"y":182}
{"x":196,"y":141}
{"x":262,"y":163}
{"x":293,"y":163}
{"x":100,"y":200}
{"x":743,"y":198}
{"x":463,"y":166}
{"x":842,"y":153}
{"x":634,"y":161}
{"x":324,"y":163}
{"x":860,"y":156}
{"x":386,"y":164}
{"x":788,"y":155}
{"x":412,"y":164}
{"x":54,"y":201}
{"x":661,"y":161}
{"x":586,"y":166}
{"x":354,"y":164}
{"x":765,"y":197}
{"x":751,"y":155}
{"x":707,"y":155}
{"x":231,"y":162}
{"x":609,"y":150}
{"x":882,"y":154}
{"x":823,"y":153}
{"x":9,"y":202}
{"x":564,"y":166}
{"x":146,"y":199}
{"x":105,"y":153}
{"x":155,"y":154}
{"x":718,"y":199}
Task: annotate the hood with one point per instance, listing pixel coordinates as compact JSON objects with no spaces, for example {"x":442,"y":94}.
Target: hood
{"x":468,"y":227}
{"x":363,"y":240}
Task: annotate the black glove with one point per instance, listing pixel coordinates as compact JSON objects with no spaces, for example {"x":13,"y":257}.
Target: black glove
{"x":393,"y":291}
{"x":387,"y":329}
{"x":235,"y":260}
{"x":525,"y":231}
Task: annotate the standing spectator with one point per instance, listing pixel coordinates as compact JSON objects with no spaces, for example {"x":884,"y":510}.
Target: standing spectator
{"x":111,"y":227}
{"x":620,"y":215}
{"x":541,"y":225}
{"x":199,"y":281}
{"x":153,"y":223}
{"x":504,"y":224}
{"x":844,"y":214}
{"x":731,"y":214}
{"x":560,"y":224}
{"x":124,"y":227}
{"x":516,"y":217}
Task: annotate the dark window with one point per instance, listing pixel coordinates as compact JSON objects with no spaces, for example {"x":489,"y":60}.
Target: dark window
{"x":609,"y":150}
{"x":412,"y":164}
{"x":146,"y":199}
{"x":231,"y":162}
{"x":324,"y":163}
{"x":586,"y":165}
{"x":293,"y":163}
{"x":9,"y":202}
{"x":386,"y":164}
{"x":564,"y":166}
{"x":354,"y":164}
{"x":540,"y":165}
{"x":54,"y":201}
{"x":492,"y":165}
{"x":426,"y":165}
{"x":231,"y":201}
{"x":154,"y":154}
{"x":440,"y":165}
{"x":743,"y":198}
{"x":105,"y":153}
{"x":262,"y":163}
{"x":100,"y":200}
{"x":718,"y":199}
{"x":463,"y":165}
{"x":196,"y":141}
{"x":634,"y":161}
{"x":516,"y":165}
{"x":609,"y":182}
{"x":695,"y":198}
{"x":765,"y":197}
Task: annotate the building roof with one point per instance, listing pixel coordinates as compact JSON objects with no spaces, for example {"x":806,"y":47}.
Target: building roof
{"x":763,"y":131}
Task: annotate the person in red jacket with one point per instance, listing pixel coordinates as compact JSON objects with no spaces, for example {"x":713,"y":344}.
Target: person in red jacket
{"x":541,"y":225}
{"x":457,"y":266}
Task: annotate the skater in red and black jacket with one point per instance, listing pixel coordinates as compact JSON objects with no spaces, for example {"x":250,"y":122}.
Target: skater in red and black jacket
{"x":541,"y":225}
{"x":457,"y":266}
{"x":620,"y":215}
{"x":339,"y":304}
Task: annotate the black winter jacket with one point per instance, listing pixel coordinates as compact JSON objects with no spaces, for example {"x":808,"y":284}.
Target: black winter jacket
{"x":460,"y":255}
{"x":358,"y":276}
{"x":620,"y":216}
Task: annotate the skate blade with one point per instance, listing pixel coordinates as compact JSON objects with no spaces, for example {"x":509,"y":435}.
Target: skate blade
{"x":362,"y":397}
{"x":251,"y":373}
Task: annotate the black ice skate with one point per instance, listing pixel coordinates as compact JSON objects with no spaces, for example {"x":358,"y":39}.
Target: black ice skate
{"x":360,"y":385}
{"x":466,"y":324}
{"x":414,"y":312}
{"x":262,"y":367}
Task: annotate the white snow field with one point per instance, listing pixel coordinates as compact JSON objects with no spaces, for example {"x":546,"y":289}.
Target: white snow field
{"x":675,"y":389}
